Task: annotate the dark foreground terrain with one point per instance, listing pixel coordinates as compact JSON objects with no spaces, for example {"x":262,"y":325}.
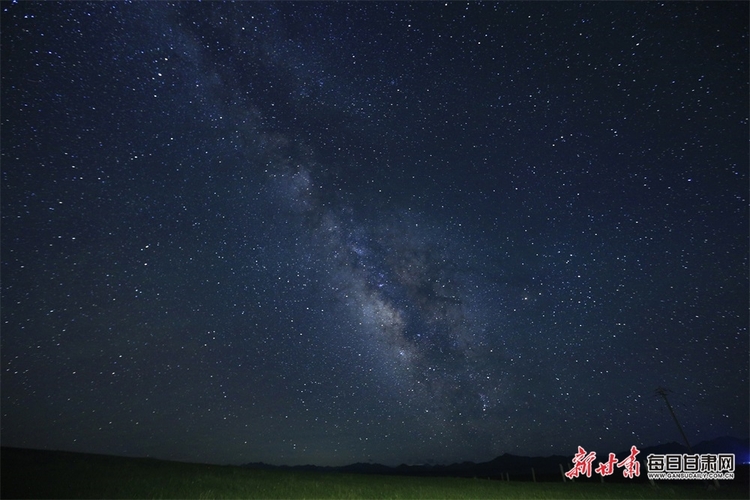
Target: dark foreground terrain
{"x":56,"y":474}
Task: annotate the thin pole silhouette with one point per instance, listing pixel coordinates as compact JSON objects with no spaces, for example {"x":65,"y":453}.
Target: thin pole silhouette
{"x":661,"y":391}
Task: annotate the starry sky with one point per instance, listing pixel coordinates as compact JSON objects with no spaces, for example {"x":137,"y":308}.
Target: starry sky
{"x":330,"y":233}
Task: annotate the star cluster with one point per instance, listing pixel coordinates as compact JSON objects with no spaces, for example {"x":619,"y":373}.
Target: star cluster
{"x":395,"y":232}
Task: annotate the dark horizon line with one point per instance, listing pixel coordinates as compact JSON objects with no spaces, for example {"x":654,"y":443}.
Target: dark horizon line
{"x":745,"y":441}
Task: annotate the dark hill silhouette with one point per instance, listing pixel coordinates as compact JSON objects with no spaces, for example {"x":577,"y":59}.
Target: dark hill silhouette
{"x":517,"y":467}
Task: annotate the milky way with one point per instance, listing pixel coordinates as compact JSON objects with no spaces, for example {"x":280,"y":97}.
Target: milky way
{"x":393,"y":232}
{"x":405,"y":291}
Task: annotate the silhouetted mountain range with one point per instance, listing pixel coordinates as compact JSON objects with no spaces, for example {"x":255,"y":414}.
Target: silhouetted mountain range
{"x":519,"y":467}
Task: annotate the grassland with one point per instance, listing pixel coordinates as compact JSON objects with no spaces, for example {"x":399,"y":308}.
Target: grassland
{"x":35,"y":474}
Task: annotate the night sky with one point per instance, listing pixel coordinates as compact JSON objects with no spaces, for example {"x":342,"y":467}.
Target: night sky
{"x":392,"y":232}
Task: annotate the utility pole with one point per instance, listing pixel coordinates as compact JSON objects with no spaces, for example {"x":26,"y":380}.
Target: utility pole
{"x":661,"y":391}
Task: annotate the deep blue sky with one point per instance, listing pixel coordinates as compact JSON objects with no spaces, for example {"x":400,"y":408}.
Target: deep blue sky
{"x":399,"y":232}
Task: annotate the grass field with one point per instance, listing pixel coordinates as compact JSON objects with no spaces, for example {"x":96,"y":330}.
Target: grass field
{"x":40,"y":474}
